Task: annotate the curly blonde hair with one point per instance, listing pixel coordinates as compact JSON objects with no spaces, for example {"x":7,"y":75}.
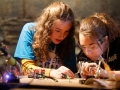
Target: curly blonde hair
{"x":99,"y":25}
{"x":53,"y":12}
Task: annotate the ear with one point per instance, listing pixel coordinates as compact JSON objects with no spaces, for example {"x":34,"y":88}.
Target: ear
{"x":104,"y":39}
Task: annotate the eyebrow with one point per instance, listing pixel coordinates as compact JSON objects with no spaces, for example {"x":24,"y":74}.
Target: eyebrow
{"x":89,"y":44}
{"x":61,"y":29}
{"x":58,"y":28}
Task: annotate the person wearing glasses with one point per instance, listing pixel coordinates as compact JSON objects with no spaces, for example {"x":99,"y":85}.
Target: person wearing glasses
{"x":99,"y":36}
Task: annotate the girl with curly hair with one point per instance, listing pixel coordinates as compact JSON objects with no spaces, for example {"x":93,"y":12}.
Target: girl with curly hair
{"x":48,"y":43}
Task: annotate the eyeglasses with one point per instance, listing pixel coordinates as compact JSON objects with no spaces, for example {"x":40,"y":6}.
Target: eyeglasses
{"x":93,"y":47}
{"x":90,"y":48}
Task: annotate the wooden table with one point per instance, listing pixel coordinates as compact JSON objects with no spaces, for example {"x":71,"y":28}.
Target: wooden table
{"x":73,"y":84}
{"x":64,"y":84}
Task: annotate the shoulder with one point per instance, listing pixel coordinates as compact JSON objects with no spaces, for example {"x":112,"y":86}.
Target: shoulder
{"x":29,"y":25}
{"x":28,"y":31}
{"x":29,"y":28}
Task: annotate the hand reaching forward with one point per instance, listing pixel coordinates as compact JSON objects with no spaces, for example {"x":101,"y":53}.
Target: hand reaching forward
{"x":87,"y":69}
{"x":58,"y":73}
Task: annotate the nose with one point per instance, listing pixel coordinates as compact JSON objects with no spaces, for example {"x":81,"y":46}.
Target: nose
{"x":62,"y":36}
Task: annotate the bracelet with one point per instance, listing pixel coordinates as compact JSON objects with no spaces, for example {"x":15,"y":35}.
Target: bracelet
{"x":43,"y":71}
{"x":39,"y":71}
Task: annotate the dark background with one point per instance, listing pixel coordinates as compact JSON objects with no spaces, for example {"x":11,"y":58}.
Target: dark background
{"x":15,"y":13}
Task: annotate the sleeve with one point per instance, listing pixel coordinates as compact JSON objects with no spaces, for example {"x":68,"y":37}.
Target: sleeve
{"x":25,"y":52}
{"x":24,"y":45}
{"x":27,"y":65}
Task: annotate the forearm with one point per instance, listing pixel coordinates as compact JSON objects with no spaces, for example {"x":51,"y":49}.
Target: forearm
{"x":29,"y":65}
{"x":105,"y":74}
{"x":117,"y":74}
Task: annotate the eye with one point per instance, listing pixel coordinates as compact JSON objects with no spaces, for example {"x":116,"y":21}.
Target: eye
{"x":92,"y":47}
{"x":82,"y":47}
{"x":57,"y":30}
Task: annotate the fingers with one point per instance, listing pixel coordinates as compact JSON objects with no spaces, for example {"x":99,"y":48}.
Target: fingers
{"x":88,"y":65}
{"x":55,"y":74}
{"x":92,"y":71}
{"x":58,"y":73}
{"x":88,"y":68}
{"x":66,"y":71}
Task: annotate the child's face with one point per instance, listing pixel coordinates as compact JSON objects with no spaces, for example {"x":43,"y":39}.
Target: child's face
{"x":60,"y":31}
{"x":90,"y":48}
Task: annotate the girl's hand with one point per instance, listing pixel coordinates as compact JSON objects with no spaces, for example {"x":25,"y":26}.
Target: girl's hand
{"x":58,"y":73}
{"x":87,"y":69}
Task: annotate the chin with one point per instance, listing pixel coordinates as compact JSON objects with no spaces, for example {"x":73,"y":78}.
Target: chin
{"x":94,"y":59}
{"x":56,"y":42}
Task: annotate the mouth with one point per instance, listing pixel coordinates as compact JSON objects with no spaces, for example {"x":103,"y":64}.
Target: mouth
{"x":58,"y":40}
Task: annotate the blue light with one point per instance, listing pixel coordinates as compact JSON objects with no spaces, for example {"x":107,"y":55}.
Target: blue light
{"x":7,"y":76}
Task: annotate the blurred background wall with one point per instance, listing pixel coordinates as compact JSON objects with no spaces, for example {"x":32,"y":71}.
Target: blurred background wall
{"x":15,"y":13}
